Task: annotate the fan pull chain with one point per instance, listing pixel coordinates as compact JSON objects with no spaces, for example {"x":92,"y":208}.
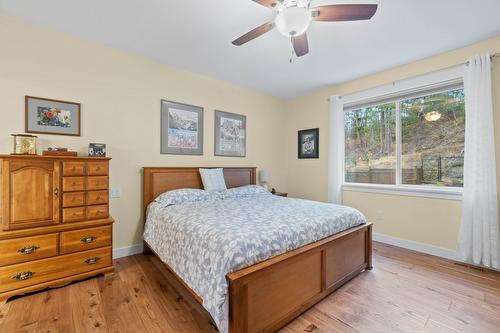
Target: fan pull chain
{"x":293,"y":51}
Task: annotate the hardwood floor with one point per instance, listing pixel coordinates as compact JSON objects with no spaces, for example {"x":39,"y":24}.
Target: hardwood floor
{"x":405,"y":292}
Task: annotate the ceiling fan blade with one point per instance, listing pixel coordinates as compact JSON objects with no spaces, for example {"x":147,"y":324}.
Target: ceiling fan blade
{"x":266,"y":3}
{"x":300,"y":45}
{"x":334,"y":13}
{"x":259,"y":31}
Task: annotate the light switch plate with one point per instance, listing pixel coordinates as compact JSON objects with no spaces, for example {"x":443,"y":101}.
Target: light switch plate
{"x":115,"y":192}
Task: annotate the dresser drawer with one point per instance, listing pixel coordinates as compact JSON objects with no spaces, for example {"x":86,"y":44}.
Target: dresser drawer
{"x":73,"y":184}
{"x":73,"y":168}
{"x":85,"y":239}
{"x":97,"y":197}
{"x":73,"y":199}
{"x":97,"y":168}
{"x":97,"y":212}
{"x":39,"y":271}
{"x":97,"y":183}
{"x":73,"y":214}
{"x":13,"y":251}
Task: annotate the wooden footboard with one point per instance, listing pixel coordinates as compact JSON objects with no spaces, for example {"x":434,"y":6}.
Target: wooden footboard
{"x":266,"y":296}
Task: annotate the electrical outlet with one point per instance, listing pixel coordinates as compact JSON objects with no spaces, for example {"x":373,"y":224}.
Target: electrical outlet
{"x":379,"y":216}
{"x":115,"y":192}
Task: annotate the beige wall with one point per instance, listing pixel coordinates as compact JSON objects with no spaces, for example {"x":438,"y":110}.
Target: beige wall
{"x":120,"y":95}
{"x":430,"y":221}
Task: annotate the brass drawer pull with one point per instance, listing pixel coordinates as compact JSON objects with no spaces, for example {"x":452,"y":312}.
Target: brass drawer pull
{"x":98,"y":168}
{"x":98,"y":198}
{"x":74,"y":184}
{"x":92,"y":261}
{"x":88,"y":239}
{"x":28,"y":249}
{"x":23,"y":276}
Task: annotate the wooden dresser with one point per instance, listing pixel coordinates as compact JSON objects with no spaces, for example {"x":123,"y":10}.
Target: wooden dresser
{"x":54,"y":221}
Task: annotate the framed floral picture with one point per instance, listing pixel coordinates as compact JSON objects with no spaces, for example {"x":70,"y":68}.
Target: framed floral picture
{"x":230,"y":134}
{"x":309,"y":143}
{"x":51,"y":116}
{"x":181,"y":129}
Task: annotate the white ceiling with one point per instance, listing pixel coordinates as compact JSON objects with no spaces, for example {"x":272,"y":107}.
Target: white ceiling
{"x":197,"y":34}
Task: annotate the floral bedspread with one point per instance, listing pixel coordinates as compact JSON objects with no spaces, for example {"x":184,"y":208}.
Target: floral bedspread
{"x":205,"y":240}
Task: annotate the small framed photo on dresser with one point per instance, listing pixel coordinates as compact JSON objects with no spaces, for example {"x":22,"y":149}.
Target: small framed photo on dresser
{"x":97,"y":150}
{"x":308,"y":143}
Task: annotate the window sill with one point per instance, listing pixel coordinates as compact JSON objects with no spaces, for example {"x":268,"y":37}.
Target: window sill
{"x":411,"y":191}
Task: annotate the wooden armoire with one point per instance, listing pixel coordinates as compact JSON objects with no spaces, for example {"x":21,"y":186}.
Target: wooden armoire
{"x":55,"y":226}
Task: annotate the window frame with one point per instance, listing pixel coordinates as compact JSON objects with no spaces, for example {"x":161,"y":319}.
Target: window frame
{"x":397,"y":96}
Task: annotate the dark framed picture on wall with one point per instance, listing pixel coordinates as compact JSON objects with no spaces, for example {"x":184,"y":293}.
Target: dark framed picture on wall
{"x":181,"y":129}
{"x":309,"y":143}
{"x":230,"y":134}
{"x":52,"y":116}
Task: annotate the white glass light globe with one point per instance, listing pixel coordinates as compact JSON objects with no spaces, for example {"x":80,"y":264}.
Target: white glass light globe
{"x":293,"y":21}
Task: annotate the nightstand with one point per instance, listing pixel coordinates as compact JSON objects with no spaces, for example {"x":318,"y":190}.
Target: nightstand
{"x":280,"y":194}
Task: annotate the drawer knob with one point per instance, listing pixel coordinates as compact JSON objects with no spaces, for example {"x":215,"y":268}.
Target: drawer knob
{"x":74,"y":183}
{"x":92,"y":261}
{"x":23,"y":276}
{"x":98,"y":168}
{"x":88,"y":239}
{"x":98,"y":197}
{"x":73,"y":168}
{"x":28,"y":249}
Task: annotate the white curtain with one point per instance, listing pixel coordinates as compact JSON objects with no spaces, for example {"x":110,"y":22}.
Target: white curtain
{"x":479,"y":240}
{"x":336,"y":151}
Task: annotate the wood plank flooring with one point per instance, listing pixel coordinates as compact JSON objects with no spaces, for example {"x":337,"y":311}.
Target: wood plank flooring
{"x":405,"y":292}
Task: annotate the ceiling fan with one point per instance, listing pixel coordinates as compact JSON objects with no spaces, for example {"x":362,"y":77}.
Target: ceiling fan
{"x":294,"y":17}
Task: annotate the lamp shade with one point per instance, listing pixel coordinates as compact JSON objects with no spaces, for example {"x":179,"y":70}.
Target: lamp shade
{"x":264,"y":176}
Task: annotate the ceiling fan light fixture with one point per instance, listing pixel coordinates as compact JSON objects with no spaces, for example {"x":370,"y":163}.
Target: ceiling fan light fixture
{"x":293,"y":21}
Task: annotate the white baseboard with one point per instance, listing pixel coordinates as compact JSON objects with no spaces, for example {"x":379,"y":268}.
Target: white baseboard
{"x":416,"y":246}
{"x":127,"y":251}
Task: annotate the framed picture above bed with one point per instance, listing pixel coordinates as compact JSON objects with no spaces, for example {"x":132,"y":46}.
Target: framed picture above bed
{"x":230,"y":134}
{"x":308,"y":144}
{"x":52,"y":116}
{"x":181,"y":129}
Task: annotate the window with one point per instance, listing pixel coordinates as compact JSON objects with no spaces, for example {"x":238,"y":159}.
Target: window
{"x":411,"y":141}
{"x":370,"y":144}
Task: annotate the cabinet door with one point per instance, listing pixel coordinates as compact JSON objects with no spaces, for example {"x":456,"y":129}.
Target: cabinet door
{"x":31,"y":193}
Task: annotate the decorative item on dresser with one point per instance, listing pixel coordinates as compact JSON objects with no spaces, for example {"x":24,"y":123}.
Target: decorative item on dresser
{"x":55,"y":222}
{"x":24,"y":144}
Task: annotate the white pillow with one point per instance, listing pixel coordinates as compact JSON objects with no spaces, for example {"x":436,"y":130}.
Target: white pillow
{"x":213,"y":179}
{"x":176,"y":197}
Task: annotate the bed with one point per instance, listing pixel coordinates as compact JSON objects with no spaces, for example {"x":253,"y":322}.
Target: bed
{"x":273,"y":282}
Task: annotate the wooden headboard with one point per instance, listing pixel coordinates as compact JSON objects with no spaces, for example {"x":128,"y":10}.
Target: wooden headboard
{"x":161,"y":179}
